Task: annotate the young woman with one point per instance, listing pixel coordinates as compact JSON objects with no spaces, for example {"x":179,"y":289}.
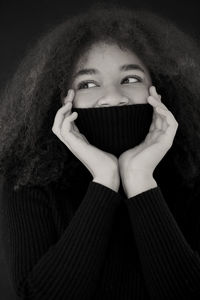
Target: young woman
{"x":99,"y":152}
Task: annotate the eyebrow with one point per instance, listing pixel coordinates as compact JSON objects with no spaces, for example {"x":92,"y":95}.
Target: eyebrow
{"x":127,"y":67}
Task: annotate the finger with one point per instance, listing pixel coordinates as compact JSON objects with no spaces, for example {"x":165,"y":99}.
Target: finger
{"x":60,"y":115}
{"x":70,"y":96}
{"x":68,"y":100}
{"x":154,"y":93}
{"x":157,"y":118}
{"x":154,"y":102}
{"x":66,"y":125}
{"x":65,"y":108}
{"x":152,"y":127}
{"x":64,"y":111}
{"x":171,"y":121}
{"x":74,"y":127}
{"x":158,"y":121}
{"x":161,"y":120}
{"x":72,"y":117}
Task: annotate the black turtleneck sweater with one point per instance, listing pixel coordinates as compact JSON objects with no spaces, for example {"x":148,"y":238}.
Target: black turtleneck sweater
{"x":103,"y":247}
{"x":90,"y":242}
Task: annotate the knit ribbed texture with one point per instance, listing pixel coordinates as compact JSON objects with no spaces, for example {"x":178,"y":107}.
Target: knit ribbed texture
{"x":92,"y":243}
{"x":171,"y":267}
{"x":44,"y":268}
{"x":115,"y":129}
{"x":112,"y":248}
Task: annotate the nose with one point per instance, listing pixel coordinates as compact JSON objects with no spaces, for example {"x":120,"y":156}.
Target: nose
{"x":113,"y":98}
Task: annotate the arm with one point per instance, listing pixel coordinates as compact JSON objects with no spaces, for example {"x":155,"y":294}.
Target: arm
{"x":171,"y":268}
{"x":43,"y":266}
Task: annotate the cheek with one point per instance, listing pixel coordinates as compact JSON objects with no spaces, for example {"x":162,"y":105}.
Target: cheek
{"x":138,"y":94}
{"x":83,"y":100}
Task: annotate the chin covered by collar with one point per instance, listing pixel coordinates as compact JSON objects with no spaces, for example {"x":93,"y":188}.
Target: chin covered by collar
{"x":115,"y":129}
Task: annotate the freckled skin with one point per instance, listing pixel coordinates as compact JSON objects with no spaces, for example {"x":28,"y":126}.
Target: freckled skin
{"x":110,"y":86}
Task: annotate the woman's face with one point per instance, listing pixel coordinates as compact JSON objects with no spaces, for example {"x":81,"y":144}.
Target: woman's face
{"x":109,"y":76}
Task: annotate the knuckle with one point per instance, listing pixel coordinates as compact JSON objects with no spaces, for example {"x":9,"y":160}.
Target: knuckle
{"x":54,"y":131}
{"x":176,"y":123}
{"x":170,"y":145}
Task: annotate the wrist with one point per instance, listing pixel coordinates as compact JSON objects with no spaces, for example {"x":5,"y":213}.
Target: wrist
{"x":139,"y":183}
{"x":111,"y":180}
{"x":112,"y":185}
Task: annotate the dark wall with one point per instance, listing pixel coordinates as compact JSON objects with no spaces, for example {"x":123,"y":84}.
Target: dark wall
{"x":21,"y":22}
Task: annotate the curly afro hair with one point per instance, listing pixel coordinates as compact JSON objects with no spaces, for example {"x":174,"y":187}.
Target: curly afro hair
{"x":31,"y":154}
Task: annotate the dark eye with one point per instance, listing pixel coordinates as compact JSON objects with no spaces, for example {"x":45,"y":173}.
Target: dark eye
{"x":82,"y":84}
{"x":135,"y":79}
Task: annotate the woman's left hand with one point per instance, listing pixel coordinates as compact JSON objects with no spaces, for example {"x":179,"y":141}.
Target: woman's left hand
{"x":140,"y":161}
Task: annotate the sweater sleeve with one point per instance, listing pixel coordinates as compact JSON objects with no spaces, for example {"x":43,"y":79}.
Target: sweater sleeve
{"x":42,"y":266}
{"x":171,"y":269}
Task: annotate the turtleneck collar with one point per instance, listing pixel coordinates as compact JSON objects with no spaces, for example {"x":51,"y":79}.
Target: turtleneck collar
{"x":115,"y":129}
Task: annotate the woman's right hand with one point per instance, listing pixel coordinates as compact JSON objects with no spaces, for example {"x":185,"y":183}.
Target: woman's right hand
{"x":102,"y":165}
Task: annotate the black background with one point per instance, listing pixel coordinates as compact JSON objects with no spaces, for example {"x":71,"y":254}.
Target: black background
{"x":21,"y":23}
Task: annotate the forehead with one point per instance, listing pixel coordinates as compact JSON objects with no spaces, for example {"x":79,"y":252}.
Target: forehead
{"x":102,"y":52}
